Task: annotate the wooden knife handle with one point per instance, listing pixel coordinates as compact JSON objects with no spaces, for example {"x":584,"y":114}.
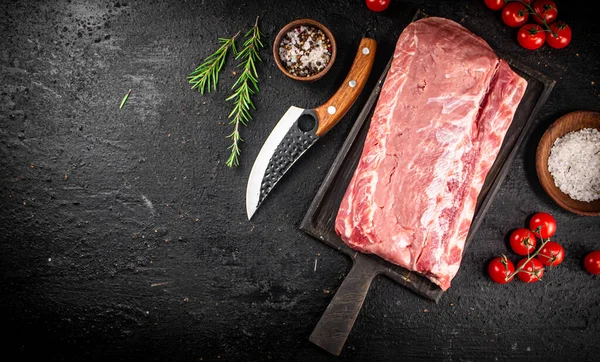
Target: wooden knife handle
{"x":336,"y":322}
{"x":336,"y":107}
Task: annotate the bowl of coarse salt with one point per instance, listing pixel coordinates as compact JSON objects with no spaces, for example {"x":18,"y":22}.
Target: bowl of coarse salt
{"x":568,"y":162}
{"x":304,"y":50}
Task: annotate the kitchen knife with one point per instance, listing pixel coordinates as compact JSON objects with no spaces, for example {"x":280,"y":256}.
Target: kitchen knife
{"x":299,"y":129}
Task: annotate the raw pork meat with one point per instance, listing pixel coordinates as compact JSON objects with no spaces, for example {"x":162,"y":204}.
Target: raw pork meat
{"x":440,"y":120}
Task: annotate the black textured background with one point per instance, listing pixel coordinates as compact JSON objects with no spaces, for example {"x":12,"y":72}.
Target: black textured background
{"x":123,"y":234}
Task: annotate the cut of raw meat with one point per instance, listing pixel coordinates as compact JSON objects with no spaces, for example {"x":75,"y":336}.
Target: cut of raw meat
{"x":440,"y":120}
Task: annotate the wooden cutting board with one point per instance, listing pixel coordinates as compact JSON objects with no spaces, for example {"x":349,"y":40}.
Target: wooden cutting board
{"x":336,"y":323}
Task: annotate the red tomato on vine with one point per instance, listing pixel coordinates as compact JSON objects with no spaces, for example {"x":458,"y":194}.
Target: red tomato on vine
{"x":378,"y":5}
{"x":532,"y":271}
{"x":563,"y":35}
{"x":542,"y":224}
{"x":546,"y":9}
{"x":515,"y":14}
{"x":531,"y":36}
{"x":494,"y":4}
{"x":500,"y":269}
{"x":551,"y":254}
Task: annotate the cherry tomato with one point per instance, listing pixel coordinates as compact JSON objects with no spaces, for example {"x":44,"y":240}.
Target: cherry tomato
{"x":545,"y":223}
{"x":546,"y":9}
{"x":531,"y":36}
{"x":532,"y":272}
{"x":495,"y":4}
{"x":551,"y":254}
{"x":515,"y":14}
{"x":563,"y":35}
{"x":378,"y":5}
{"x":592,"y":262}
{"x":522,"y":241}
{"x":500,"y":268}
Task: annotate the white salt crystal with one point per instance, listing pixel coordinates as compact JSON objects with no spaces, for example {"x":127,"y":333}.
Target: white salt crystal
{"x":574,"y":164}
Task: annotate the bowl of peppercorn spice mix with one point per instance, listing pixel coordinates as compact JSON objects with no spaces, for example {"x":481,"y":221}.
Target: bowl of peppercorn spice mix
{"x":304,"y":50}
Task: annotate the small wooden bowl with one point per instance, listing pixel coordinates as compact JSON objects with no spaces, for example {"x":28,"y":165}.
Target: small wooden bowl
{"x":570,"y":122}
{"x":292,"y":25}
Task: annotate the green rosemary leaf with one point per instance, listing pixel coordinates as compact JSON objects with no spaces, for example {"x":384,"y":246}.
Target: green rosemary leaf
{"x":125,"y":99}
{"x":205,"y":76}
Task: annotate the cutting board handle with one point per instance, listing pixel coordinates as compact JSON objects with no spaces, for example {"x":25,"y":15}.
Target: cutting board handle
{"x":330,"y":113}
{"x":336,"y":323}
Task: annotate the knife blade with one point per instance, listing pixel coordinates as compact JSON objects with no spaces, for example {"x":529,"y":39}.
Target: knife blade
{"x":298,"y":129}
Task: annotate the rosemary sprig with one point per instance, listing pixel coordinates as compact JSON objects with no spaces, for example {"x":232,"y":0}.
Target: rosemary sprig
{"x":245,"y":86}
{"x":207,"y":73}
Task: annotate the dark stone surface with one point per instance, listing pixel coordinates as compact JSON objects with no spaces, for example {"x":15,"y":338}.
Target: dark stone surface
{"x":123,"y":235}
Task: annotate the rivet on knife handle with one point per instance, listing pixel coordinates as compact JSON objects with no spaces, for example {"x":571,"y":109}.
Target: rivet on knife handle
{"x":334,"y":109}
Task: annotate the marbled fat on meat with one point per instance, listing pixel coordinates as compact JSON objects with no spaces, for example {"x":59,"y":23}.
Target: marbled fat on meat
{"x":438,"y":125}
